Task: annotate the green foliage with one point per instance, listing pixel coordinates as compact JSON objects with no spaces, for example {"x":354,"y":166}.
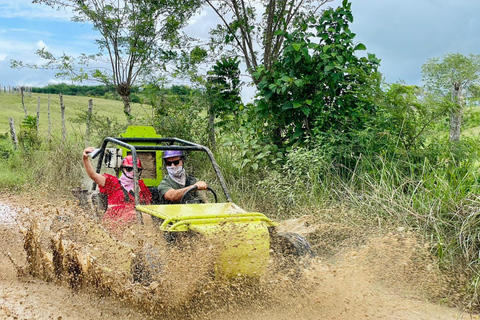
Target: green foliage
{"x":76,"y":90}
{"x":223,"y":87}
{"x":249,"y":153}
{"x":28,"y":137}
{"x":407,"y":117}
{"x":318,"y":88}
{"x":181,"y":116}
{"x":12,"y":175}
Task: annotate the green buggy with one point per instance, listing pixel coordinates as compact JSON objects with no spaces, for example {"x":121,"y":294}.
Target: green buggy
{"x":245,"y":243}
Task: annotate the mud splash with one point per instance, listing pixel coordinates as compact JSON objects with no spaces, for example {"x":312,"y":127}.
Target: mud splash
{"x":390,"y":276}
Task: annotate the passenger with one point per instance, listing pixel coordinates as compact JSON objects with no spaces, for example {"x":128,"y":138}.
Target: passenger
{"x":119,"y":191}
{"x":173,"y":187}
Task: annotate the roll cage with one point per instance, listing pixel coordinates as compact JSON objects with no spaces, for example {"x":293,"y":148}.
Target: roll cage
{"x":135,"y":145}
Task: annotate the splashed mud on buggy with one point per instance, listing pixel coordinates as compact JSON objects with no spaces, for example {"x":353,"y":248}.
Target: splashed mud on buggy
{"x":74,"y":250}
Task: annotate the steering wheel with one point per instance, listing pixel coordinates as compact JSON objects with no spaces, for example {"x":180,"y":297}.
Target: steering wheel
{"x":193,"y":188}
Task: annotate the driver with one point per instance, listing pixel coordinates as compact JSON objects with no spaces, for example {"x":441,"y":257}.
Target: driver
{"x":173,"y":187}
{"x":119,"y":191}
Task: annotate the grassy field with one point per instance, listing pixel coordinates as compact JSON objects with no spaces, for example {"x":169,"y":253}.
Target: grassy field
{"x":11,"y":107}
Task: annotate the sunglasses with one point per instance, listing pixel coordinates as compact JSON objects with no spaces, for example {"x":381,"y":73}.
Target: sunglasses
{"x":130,"y":169}
{"x":175,"y":162}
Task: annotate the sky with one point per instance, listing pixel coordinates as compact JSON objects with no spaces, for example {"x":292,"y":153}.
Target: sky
{"x":404,"y":34}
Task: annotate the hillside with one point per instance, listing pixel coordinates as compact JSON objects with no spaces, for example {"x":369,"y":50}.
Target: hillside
{"x":11,"y":107}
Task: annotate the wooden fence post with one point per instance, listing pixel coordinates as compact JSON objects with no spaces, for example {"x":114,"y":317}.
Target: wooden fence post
{"x":89,"y":121}
{"x":22,"y":90}
{"x":49,"y":119}
{"x":64,"y":129}
{"x":38,"y":112}
{"x":13,"y":133}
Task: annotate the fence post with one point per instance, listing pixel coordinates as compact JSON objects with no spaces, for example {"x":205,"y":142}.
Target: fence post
{"x":38,"y":112}
{"x":13,"y":133}
{"x":22,"y":91}
{"x":89,"y":120}
{"x":49,"y":121}
{"x":64,"y":129}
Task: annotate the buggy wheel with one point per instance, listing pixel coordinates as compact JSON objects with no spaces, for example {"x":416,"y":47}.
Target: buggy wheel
{"x":291,"y":253}
{"x":146,"y":265}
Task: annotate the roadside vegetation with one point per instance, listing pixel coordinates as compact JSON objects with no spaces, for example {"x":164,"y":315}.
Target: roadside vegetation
{"x":324,"y":137}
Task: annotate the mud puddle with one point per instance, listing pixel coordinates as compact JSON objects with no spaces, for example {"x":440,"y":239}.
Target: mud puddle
{"x":388,"y":277}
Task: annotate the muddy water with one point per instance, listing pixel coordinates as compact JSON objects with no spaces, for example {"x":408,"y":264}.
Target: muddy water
{"x":388,"y":277}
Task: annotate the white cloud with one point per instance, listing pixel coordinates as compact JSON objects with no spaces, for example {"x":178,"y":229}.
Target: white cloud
{"x":40,"y":45}
{"x":26,"y":10}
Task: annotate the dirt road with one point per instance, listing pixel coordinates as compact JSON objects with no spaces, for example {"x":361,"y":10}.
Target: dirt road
{"x":387,"y":277}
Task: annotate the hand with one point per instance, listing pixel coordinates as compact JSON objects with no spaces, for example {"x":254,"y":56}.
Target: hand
{"x":201,"y":185}
{"x":87,"y":151}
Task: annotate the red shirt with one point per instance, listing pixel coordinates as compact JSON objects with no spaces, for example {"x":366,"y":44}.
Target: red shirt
{"x":118,"y":210}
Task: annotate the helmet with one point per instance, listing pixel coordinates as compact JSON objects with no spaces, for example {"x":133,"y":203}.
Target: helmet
{"x":128,"y":162}
{"x":173,"y":153}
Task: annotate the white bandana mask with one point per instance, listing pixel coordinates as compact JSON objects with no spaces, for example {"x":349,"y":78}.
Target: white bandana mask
{"x":127,"y":181}
{"x":177,"y":173}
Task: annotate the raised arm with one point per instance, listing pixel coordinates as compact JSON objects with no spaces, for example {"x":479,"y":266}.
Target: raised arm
{"x":96,"y":177}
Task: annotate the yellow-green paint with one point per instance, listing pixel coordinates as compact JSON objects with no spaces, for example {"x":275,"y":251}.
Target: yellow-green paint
{"x":243,"y":248}
{"x":145,"y":132}
{"x":241,"y":239}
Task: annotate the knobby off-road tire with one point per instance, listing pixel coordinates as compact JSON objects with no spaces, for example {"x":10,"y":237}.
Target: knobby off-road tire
{"x":147,"y":265}
{"x":291,"y":253}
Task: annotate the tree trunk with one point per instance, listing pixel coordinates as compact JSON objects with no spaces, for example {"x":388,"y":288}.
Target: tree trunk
{"x":126,"y":108}
{"x":456,"y":115}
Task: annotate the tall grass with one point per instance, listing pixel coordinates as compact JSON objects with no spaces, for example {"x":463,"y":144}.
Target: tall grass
{"x":439,"y":200}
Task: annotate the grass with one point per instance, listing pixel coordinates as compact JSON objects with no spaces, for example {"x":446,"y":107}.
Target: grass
{"x":11,"y":107}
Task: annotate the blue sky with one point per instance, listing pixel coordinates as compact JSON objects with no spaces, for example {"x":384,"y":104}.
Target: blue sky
{"x":402,"y":33}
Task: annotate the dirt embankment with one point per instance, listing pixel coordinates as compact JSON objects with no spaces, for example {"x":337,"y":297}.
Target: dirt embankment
{"x":355,"y":276}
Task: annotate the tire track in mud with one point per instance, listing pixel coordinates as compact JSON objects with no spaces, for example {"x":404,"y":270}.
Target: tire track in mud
{"x":374,"y":281}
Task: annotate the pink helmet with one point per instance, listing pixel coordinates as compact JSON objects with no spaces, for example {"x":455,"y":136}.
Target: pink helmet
{"x":172,"y":153}
{"x":128,"y":162}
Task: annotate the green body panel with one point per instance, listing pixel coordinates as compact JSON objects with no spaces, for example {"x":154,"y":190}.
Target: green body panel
{"x":152,"y":160}
{"x":240,"y":239}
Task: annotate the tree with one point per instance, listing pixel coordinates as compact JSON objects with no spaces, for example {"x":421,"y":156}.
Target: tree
{"x":136,"y":40}
{"x":252,"y":34}
{"x":318,"y":85}
{"x":454,"y":77}
{"x":223,"y":93}
{"x":408,"y":116}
